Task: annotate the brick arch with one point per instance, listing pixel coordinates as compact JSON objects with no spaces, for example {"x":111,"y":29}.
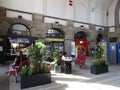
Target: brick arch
{"x":57,"y":29}
{"x":81,"y":35}
{"x":9,"y":32}
{"x":22,"y":21}
{"x":13,"y":21}
{"x":117,"y":8}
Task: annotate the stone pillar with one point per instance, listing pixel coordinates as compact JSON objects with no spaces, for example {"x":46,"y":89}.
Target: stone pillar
{"x":37,"y":21}
{"x":38,"y":18}
{"x":2,"y":12}
{"x":67,"y":46}
{"x":70,"y":23}
{"x":4,"y":25}
{"x":92,"y":26}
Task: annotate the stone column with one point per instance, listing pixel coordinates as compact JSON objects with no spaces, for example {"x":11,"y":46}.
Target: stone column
{"x":92,"y":26}
{"x":67,"y":46}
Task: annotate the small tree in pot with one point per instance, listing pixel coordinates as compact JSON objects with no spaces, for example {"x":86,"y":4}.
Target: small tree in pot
{"x":99,"y":65}
{"x":37,"y":73}
{"x":36,"y":53}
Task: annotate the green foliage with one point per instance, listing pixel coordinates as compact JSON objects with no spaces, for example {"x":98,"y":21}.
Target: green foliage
{"x":46,"y":70}
{"x":99,"y":51}
{"x":36,"y":52}
{"x":24,"y":70}
{"x":95,"y":63}
{"x":57,"y":62}
{"x":98,"y":62}
{"x":102,"y":62}
{"x":41,"y":69}
{"x":56,"y":57}
{"x":31,"y":70}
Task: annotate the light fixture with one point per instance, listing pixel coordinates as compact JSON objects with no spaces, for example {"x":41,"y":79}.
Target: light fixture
{"x":56,"y":22}
{"x":15,"y":45}
{"x":100,"y":29}
{"x":82,"y":26}
{"x":81,"y":41}
{"x":19,"y":16}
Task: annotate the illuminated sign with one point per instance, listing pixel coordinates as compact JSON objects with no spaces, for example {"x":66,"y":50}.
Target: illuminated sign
{"x":54,"y":39}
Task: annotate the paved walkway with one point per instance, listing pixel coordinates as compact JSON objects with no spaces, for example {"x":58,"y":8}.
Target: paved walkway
{"x":4,"y":80}
{"x":80,"y":79}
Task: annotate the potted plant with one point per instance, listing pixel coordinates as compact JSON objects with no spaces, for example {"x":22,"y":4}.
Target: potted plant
{"x":37,"y":73}
{"x":99,"y":66}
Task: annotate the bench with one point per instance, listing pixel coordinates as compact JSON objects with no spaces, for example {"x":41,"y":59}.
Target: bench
{"x":80,"y":60}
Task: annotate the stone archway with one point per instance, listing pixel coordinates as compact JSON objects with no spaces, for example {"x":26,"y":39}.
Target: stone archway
{"x":81,"y":35}
{"x":117,"y":15}
{"x":19,"y":29}
{"x":99,"y":37}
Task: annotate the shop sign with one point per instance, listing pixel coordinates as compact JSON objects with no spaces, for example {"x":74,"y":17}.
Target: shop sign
{"x":54,"y":39}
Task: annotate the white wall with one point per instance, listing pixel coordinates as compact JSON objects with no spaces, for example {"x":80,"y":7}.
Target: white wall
{"x":92,"y":10}
{"x":111,"y":17}
{"x":99,"y":17}
{"x":100,"y":10}
{"x":56,"y":8}
{"x":80,"y":11}
{"x":24,"y":5}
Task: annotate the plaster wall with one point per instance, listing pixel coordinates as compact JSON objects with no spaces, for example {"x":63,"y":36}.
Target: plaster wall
{"x":81,"y":10}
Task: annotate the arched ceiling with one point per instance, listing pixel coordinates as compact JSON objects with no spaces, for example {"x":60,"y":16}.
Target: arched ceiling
{"x":103,"y":4}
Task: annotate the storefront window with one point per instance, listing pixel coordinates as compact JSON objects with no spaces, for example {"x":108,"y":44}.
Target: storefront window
{"x":19,"y":29}
{"x":54,"y":33}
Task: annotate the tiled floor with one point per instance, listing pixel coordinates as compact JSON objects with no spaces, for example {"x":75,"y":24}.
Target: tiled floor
{"x":80,"y":79}
{"x":4,"y":80}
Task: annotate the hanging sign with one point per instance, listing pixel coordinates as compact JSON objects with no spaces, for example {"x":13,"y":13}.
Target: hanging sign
{"x":71,"y":2}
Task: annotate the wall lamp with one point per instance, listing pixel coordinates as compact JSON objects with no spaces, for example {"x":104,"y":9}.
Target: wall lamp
{"x":56,"y":22}
{"x":19,"y":16}
{"x":100,"y":29}
{"x":82,"y":27}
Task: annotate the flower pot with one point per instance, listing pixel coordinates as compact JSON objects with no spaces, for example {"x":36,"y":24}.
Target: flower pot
{"x":99,"y":69}
{"x":35,"y":80}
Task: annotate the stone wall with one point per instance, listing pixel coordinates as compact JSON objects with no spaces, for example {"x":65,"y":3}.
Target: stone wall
{"x":39,"y":29}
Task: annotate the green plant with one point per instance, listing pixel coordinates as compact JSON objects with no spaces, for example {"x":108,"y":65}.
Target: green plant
{"x":31,"y":70}
{"x":36,"y":53}
{"x":24,"y":70}
{"x":41,"y":69}
{"x":99,"y":51}
{"x":46,"y":69}
{"x":102,"y":62}
{"x":98,"y":62}
{"x":56,"y":57}
{"x":95,"y":63}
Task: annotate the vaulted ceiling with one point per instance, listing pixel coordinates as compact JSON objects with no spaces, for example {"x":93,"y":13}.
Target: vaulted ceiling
{"x":103,"y":4}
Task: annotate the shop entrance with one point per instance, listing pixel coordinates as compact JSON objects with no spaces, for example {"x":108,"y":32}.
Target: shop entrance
{"x":18,"y":38}
{"x":54,"y":40}
{"x":81,"y":43}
